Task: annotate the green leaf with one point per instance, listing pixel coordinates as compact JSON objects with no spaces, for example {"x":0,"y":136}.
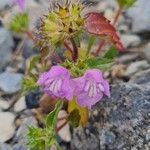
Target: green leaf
{"x":28,"y":85}
{"x":52,"y":117}
{"x":126,"y":3}
{"x":74,"y":118}
{"x":99,"y":63}
{"x":91,"y":41}
{"x":33,"y":62}
{"x":112,"y":53}
{"x":19,"y":23}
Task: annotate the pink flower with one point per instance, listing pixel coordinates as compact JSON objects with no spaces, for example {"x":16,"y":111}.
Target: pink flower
{"x":90,"y":88}
{"x":57,"y":83}
{"x":20,"y":4}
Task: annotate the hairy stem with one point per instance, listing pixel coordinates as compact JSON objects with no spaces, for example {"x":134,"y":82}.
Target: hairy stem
{"x":119,"y":12}
{"x":75,"y":50}
{"x":69,"y":49}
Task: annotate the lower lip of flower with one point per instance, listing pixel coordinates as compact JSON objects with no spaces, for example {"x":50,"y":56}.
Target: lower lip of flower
{"x":54,"y":85}
{"x":93,"y":89}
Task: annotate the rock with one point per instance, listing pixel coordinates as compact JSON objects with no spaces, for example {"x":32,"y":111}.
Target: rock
{"x":7,"y":127}
{"x":122,"y":121}
{"x":130,"y":40}
{"x":28,"y":49}
{"x":19,"y":147}
{"x":5,"y":4}
{"x":32,"y":99}
{"x":5,"y":146}
{"x":4,"y":104}
{"x":146,"y":51}
{"x":128,"y":58}
{"x":20,"y":104}
{"x":64,"y":133}
{"x":140,"y":15}
{"x":136,"y":67}
{"x":21,"y":135}
{"x":142,"y":78}
{"x":6,"y":45}
{"x":10,"y":82}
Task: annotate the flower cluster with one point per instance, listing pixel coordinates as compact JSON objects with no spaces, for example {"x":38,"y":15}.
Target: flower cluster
{"x":88,"y":89}
{"x":62,"y":22}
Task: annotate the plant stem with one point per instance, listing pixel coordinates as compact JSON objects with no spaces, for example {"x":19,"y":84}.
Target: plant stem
{"x":62,"y":118}
{"x":30,"y":36}
{"x":69,"y":48}
{"x":60,"y":127}
{"x":119,"y":12}
{"x":75,"y":50}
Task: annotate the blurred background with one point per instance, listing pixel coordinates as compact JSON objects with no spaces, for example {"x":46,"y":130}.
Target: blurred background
{"x":121,"y":123}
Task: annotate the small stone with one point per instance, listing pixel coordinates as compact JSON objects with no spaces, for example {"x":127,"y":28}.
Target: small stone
{"x":28,"y":49}
{"x":128,"y":58}
{"x":146,"y":51}
{"x":4,"y":146}
{"x":140,"y":15}
{"x":5,"y":4}
{"x":4,"y":104}
{"x":20,"y":105}
{"x":10,"y":82}
{"x":130,"y":40}
{"x":32,"y":100}
{"x":21,"y":135}
{"x":136,"y":67}
{"x":107,"y":137}
{"x":64,"y":133}
{"x":6,"y":45}
{"x":142,"y":78}
{"x":7,"y":127}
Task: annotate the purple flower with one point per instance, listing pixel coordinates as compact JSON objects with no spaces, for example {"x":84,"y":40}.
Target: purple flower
{"x":90,"y":88}
{"x":20,"y":4}
{"x":57,"y":83}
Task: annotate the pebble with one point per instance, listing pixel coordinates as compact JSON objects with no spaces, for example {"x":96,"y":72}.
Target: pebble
{"x":130,"y":40}
{"x":20,"y":105}
{"x":4,"y":104}
{"x":140,"y":16}
{"x":7,"y":127}
{"x":64,"y":133}
{"x":5,"y":4}
{"x":21,"y":134}
{"x":6,"y":45}
{"x":32,"y":99}
{"x":146,"y":51}
{"x":4,"y":146}
{"x":10,"y":82}
{"x":136,"y":67}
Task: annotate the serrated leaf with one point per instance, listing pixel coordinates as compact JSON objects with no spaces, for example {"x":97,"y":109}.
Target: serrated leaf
{"x":19,"y":23}
{"x":74,"y":118}
{"x":97,"y":24}
{"x":99,"y":63}
{"x":52,"y":117}
{"x":83,"y":111}
{"x":91,"y":41}
{"x":28,"y":85}
{"x":126,"y":3}
{"x":112,"y":53}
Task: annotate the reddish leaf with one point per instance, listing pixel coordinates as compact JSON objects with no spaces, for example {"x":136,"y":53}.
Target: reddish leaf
{"x":97,"y":24}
